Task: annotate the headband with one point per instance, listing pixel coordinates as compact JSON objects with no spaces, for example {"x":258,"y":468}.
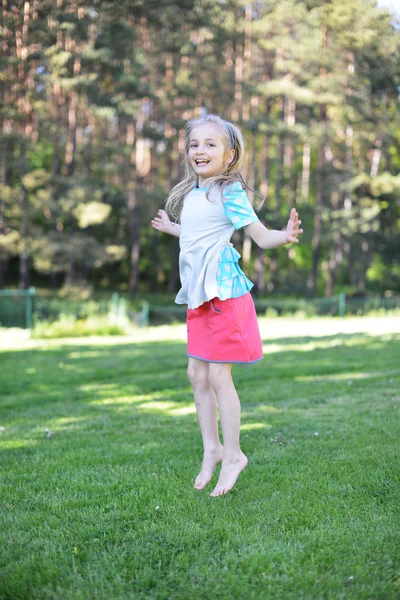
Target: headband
{"x":232,"y":138}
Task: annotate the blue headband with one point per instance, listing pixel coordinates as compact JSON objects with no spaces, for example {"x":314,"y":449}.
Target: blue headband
{"x":232,"y":138}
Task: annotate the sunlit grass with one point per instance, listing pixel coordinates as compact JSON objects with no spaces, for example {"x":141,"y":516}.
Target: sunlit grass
{"x":100,"y":446}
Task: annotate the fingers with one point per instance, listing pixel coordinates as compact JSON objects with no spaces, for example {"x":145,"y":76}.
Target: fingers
{"x":159,"y":221}
{"x":156,"y":223}
{"x":294,"y":226}
{"x":162,"y":213}
{"x":294,"y":216}
{"x":297,"y":232}
{"x":292,"y":237}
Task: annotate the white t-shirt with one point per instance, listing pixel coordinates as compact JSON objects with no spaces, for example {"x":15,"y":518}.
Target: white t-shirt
{"x":208,"y":263}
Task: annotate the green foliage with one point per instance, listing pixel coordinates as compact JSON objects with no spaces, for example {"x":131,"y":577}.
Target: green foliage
{"x":68,"y":326}
{"x":9,"y":244}
{"x":92,"y":213}
{"x":40,"y":155}
{"x":96,"y":142}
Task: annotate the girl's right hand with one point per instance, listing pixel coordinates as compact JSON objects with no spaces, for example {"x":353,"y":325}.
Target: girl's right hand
{"x":162,"y":222}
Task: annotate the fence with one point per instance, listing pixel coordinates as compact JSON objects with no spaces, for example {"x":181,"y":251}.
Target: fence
{"x":22,"y":308}
{"x":339,"y":305}
{"x":17,"y":307}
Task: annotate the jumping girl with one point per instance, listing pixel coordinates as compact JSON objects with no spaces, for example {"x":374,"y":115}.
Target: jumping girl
{"x":210,"y":204}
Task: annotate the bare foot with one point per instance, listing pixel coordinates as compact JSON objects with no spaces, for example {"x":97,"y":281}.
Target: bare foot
{"x":210,"y":461}
{"x":230,"y":471}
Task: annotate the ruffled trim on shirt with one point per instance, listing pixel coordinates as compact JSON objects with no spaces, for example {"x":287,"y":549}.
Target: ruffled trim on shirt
{"x":234,"y":288}
{"x":229,"y":254}
{"x":231,"y":281}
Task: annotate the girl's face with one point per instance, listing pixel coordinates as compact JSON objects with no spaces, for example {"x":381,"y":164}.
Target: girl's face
{"x":207,"y":152}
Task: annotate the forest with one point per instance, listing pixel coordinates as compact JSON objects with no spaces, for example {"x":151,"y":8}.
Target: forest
{"x":94,"y":99}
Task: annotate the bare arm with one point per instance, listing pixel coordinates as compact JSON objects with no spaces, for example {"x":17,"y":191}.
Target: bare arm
{"x":268,"y":239}
{"x":163,"y":223}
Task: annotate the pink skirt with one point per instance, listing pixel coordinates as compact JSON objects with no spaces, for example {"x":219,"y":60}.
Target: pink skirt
{"x":224,"y":331}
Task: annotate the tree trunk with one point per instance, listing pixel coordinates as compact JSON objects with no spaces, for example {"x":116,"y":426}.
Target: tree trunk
{"x":259,"y":271}
{"x":317,"y":233}
{"x":289,"y":151}
{"x":305,"y":177}
{"x":376,"y":157}
{"x":23,"y":255}
{"x":264,"y":167}
{"x":279,"y":166}
{"x":261,"y":259}
{"x":273,"y":270}
{"x":364,"y":264}
{"x":246,"y":254}
{"x":154,"y":262}
{"x":336,"y":253}
{"x":71,"y":134}
{"x":173,"y":282}
{"x":134,"y":237}
{"x":3,"y":179}
{"x":321,"y":181}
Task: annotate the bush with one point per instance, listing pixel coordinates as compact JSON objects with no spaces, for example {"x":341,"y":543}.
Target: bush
{"x":68,"y":326}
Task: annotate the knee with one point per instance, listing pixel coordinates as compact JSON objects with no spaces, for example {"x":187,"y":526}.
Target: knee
{"x":219,"y":375}
{"x":198,"y":376}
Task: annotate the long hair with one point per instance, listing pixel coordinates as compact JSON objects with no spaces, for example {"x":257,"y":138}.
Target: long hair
{"x":230,"y":174}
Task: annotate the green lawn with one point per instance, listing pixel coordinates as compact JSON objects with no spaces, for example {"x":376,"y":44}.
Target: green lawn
{"x":102,"y":505}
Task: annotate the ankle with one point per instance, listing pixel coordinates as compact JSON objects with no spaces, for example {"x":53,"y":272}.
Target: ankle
{"x":213,"y":449}
{"x":233,"y":456}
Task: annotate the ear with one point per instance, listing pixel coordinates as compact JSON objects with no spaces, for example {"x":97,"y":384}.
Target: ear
{"x":231,"y":156}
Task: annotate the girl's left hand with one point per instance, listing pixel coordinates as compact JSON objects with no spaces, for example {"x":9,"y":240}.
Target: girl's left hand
{"x":293,"y":227}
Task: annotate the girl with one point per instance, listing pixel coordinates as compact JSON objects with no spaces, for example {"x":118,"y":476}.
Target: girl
{"x":211,"y":203}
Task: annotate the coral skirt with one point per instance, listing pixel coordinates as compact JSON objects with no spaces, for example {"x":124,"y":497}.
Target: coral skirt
{"x":224,"y":331}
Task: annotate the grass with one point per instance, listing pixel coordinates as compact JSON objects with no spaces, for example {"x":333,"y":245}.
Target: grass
{"x":101,"y":446}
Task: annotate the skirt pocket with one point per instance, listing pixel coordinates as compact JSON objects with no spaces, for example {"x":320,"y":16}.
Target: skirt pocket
{"x":225,"y":311}
{"x":215,"y":308}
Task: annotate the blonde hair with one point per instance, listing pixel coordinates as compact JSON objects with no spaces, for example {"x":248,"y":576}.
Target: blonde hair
{"x":232,"y":138}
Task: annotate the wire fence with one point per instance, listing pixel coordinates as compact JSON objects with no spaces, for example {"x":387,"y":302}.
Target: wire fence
{"x":24,"y":308}
{"x":338,"y":306}
{"x":16,"y":308}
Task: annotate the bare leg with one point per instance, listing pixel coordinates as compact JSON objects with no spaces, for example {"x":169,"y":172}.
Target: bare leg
{"x":206,"y":406}
{"x":234,"y":461}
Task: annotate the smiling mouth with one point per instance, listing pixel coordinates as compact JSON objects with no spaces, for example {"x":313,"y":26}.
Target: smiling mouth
{"x":201,"y":162}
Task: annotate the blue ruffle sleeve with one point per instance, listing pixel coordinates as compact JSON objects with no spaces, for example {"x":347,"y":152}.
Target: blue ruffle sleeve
{"x":237,"y":206}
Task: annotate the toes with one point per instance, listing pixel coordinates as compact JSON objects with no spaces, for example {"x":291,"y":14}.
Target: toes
{"x":199,"y":484}
{"x":220,"y":492}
